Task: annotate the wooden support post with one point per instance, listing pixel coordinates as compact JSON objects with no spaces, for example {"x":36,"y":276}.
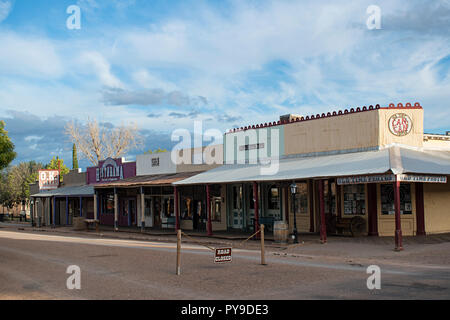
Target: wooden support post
{"x":177,"y":211}
{"x":256,"y":207}
{"x":263,"y":254}
{"x":178,"y":252}
{"x":142,"y":210}
{"x":54,"y":212}
{"x":67,"y":210}
{"x":81,"y":206}
{"x":95,"y":206}
{"x":116,"y":211}
{"x":398,"y":222}
{"x":208,"y":210}
{"x":311,"y":205}
{"x":323,"y":226}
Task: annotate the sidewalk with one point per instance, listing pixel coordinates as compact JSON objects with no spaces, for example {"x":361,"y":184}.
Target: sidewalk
{"x":423,"y":250}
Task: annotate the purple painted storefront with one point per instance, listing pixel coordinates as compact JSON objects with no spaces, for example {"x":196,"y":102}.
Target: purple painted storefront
{"x":107,"y":171}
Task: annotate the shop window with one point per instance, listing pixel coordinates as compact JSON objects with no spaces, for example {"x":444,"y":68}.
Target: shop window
{"x":216,"y":211}
{"x":301,"y":198}
{"x":274,"y":198}
{"x":330,"y":192}
{"x":108,"y":204}
{"x":186,"y":208}
{"x":355,"y":199}
{"x":168,"y":209}
{"x":387,"y":199}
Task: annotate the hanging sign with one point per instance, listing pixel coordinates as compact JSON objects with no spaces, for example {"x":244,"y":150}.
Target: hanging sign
{"x":223,"y":255}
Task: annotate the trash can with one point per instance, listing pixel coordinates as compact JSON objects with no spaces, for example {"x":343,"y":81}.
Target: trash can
{"x":280,"y":232}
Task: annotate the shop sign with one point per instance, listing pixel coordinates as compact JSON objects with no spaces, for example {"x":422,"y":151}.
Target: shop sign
{"x":109,"y":171}
{"x":223,"y":255}
{"x":422,"y":178}
{"x":400,"y":124}
{"x":48,"y":179}
{"x":366,"y":179}
{"x":391,"y":178}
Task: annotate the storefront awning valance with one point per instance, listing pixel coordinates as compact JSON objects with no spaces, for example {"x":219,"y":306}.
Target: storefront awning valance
{"x":394,"y":160}
{"x":72,"y":191}
{"x":150,"y":180}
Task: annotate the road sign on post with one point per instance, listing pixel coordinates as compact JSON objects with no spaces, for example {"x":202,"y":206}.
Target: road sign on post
{"x":223,"y":255}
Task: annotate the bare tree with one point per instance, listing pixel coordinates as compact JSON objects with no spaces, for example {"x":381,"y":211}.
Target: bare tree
{"x":97,"y":142}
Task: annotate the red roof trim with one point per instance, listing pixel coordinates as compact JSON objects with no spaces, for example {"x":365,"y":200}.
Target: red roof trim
{"x":328,"y":115}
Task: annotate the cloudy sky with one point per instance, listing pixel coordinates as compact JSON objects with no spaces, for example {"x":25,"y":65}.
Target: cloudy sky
{"x":164,"y":64}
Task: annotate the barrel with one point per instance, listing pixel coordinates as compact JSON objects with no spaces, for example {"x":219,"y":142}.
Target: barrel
{"x":280,"y":232}
{"x":78,"y":223}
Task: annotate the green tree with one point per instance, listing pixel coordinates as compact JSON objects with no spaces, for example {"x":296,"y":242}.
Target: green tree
{"x":159,"y":150}
{"x":53,"y":165}
{"x":19,"y":178}
{"x":7,"y":154}
{"x":74,"y":157}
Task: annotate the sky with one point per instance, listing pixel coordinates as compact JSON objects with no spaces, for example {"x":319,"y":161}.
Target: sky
{"x":165,"y":64}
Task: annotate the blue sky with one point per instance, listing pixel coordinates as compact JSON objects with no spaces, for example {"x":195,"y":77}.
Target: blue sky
{"x":164,"y":64}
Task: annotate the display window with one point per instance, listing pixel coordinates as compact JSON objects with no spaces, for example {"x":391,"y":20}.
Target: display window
{"x":301,"y":198}
{"x":355,"y":200}
{"x":387,"y":199}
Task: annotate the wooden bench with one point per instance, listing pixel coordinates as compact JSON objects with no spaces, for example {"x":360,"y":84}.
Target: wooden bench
{"x":93,"y":222}
{"x":356,"y":225}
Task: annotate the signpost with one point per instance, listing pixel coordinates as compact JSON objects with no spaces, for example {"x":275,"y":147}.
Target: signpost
{"x":223,"y":255}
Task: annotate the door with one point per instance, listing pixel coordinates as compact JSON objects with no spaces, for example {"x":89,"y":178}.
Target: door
{"x":156,"y":208}
{"x":237,"y":208}
{"x":127,"y":215}
{"x":148,"y":212}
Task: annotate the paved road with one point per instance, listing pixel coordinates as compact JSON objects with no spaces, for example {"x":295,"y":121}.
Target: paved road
{"x":33,"y":266}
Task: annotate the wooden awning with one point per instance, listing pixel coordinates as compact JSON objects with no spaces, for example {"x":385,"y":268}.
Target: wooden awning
{"x":149,"y":180}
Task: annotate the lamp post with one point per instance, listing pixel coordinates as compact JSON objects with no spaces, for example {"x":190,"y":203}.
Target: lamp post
{"x":294,"y":192}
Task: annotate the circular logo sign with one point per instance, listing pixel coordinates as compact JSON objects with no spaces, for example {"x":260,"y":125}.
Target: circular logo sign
{"x":400,"y":124}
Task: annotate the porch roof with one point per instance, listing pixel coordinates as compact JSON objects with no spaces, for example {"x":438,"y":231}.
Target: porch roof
{"x":149,"y":180}
{"x":72,"y":191}
{"x":394,"y":159}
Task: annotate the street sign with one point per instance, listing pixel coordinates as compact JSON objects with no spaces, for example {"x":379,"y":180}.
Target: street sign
{"x":48,"y":179}
{"x":223,"y":255}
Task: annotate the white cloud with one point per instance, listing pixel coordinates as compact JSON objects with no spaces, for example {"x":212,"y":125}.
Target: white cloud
{"x":29,"y":56}
{"x":102,"y":69}
{"x":5,"y":9}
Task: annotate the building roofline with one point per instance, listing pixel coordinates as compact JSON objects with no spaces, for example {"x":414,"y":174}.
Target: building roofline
{"x":328,"y":115}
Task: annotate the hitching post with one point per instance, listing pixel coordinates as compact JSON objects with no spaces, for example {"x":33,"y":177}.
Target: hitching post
{"x":263,"y":256}
{"x":178,"y":252}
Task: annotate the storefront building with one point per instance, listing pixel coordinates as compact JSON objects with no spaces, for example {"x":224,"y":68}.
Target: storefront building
{"x":368,"y":171}
{"x":75,"y":197}
{"x":150,"y":200}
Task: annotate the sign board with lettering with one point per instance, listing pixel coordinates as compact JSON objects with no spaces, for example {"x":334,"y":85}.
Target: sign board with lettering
{"x":111,"y":170}
{"x":48,"y":179}
{"x":223,"y":255}
{"x":391,"y":178}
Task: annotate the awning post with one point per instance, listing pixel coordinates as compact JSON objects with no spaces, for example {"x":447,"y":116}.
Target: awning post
{"x":398,"y":222}
{"x":116,"y":210}
{"x":142,"y":210}
{"x":256,"y":206}
{"x":323,"y":226}
{"x":208,"y":210}
{"x":177,"y":211}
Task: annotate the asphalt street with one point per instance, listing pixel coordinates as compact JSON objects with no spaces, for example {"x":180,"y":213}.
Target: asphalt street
{"x":34,"y":265}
